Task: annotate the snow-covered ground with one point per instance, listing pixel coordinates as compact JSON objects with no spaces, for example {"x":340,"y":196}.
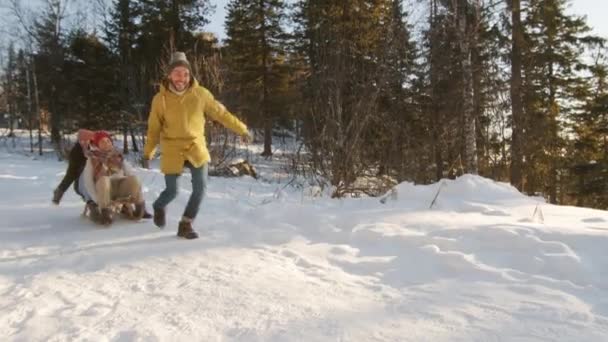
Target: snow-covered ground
{"x":277,"y":264}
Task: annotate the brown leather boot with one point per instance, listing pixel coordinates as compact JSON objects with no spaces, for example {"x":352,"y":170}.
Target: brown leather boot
{"x":146,"y":215}
{"x":127,"y":211}
{"x":94,"y":213}
{"x":106,"y":216}
{"x":159,"y":218}
{"x":140,"y":210}
{"x":185,"y":230}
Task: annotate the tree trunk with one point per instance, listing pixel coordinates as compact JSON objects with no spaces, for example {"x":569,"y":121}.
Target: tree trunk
{"x":10,"y":96}
{"x":10,"y":108}
{"x":55,"y":122}
{"x":482,"y":146}
{"x":553,"y":144}
{"x":37,"y":99}
{"x":436,"y":120}
{"x":516,"y":99}
{"x":267,"y":138}
{"x":125,"y":140}
{"x":553,"y":182}
{"x":176,"y":24}
{"x":466,"y":33}
{"x":30,"y":115}
{"x":133,"y":140}
{"x":266,"y":111}
{"x":470,"y":151}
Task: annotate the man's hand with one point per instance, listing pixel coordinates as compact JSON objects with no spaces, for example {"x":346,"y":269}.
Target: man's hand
{"x":247,"y":138}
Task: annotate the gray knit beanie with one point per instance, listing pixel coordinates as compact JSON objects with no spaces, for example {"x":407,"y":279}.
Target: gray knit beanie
{"x":178,"y":58}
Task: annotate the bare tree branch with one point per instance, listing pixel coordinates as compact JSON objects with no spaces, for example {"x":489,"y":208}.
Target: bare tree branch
{"x":24,"y":17}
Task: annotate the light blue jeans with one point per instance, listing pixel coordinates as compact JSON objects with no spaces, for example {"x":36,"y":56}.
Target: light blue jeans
{"x":199,"y":188}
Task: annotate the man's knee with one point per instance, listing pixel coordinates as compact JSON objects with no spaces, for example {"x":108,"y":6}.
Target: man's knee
{"x":199,"y":189}
{"x":172,"y":191}
{"x":199,"y":181}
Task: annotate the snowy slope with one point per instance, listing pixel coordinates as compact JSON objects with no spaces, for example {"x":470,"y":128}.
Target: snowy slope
{"x":283,"y":266}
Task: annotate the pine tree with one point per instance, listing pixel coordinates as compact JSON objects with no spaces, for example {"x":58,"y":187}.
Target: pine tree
{"x":50,"y":36}
{"x":555,"y":44}
{"x":95,"y":99}
{"x":467,"y":33}
{"x":25,"y":99}
{"x":397,"y":112}
{"x":516,"y":95}
{"x":588,"y":155}
{"x":258,"y":60}
{"x":121,"y":33}
{"x":345,"y":48}
{"x":169,"y":25}
{"x":442,"y":93}
{"x":10,"y":85}
{"x":490,"y":91}
{"x":461,"y":91}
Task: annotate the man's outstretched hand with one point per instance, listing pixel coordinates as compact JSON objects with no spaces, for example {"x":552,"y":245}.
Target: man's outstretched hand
{"x":247,"y":138}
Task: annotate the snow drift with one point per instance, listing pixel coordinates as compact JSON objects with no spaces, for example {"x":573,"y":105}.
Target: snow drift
{"x":478,"y":266}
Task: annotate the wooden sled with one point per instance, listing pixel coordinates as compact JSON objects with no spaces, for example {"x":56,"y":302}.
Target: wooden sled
{"x":123,"y":205}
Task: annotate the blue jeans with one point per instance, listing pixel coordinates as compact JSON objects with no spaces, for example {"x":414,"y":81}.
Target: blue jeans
{"x":199,"y":187}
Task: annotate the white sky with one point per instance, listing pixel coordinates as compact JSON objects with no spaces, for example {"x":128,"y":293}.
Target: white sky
{"x":595,"y":10}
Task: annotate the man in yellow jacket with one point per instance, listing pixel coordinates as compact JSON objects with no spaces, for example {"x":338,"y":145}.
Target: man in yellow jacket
{"x":177,"y":123}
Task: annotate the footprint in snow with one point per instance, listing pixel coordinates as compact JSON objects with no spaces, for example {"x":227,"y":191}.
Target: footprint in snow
{"x":495,"y":213}
{"x":338,"y":250}
{"x":594,"y":220}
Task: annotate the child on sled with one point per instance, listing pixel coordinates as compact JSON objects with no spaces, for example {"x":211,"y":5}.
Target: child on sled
{"x":103,"y":178}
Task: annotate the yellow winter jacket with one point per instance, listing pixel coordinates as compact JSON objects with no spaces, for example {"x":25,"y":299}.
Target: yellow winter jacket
{"x":177,"y":122}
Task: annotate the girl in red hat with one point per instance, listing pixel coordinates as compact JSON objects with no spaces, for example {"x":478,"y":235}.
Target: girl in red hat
{"x":105,"y":161}
{"x":108,"y":177}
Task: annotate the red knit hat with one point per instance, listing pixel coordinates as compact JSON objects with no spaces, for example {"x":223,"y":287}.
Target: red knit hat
{"x":98,"y":136}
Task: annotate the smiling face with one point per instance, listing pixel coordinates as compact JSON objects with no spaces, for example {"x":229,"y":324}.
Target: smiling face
{"x":105,"y":144}
{"x":180,"y":78}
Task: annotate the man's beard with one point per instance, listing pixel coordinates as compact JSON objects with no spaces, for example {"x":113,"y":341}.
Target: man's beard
{"x":180,"y":86}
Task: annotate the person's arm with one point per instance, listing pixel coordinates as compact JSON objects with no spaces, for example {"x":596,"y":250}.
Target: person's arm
{"x":154,"y":127}
{"x":219,"y":113}
{"x":84,"y":138}
{"x":89,"y":181}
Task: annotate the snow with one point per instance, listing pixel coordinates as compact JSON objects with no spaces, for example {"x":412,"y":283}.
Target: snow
{"x":275,"y":263}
